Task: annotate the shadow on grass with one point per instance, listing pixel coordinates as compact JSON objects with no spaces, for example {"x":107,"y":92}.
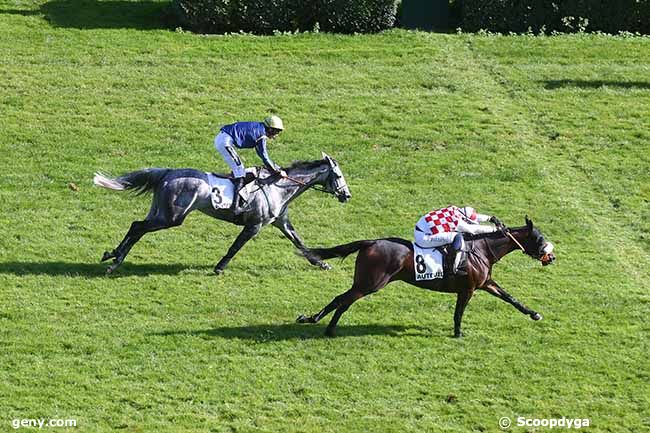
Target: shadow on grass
{"x":88,"y":269}
{"x":92,"y":14}
{"x":295,"y":331}
{"x":595,"y":84}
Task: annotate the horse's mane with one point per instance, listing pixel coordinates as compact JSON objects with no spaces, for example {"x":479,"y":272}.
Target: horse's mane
{"x":493,"y":235}
{"x":296,"y":165}
{"x":304,"y":165}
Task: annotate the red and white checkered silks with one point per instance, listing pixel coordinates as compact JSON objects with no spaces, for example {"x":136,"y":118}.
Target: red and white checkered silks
{"x":443,"y":220}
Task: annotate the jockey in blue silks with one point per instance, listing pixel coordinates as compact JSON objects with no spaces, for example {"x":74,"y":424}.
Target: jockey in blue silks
{"x":246,"y":135}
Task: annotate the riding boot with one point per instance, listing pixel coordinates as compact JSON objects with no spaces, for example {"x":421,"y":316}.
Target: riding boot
{"x":450,"y":260}
{"x":236,"y":199}
{"x":453,"y":249}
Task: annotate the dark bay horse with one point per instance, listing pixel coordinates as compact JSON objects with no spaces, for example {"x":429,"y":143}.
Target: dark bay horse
{"x":384,"y":260}
{"x":177,"y":192}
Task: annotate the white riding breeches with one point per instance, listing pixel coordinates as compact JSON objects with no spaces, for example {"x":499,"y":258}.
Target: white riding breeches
{"x":425,"y":240}
{"x":226,"y":147}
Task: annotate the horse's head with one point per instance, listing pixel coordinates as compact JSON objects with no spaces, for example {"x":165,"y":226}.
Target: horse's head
{"x":536,"y":246}
{"x":335,"y":182}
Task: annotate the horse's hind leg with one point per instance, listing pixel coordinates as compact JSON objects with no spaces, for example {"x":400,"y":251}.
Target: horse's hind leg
{"x":129,"y":238}
{"x":157,"y":219}
{"x":370,"y":275}
{"x":494,"y":289}
{"x":135,"y":233}
{"x":348,"y":298}
{"x":351,"y":296}
{"x":336,"y":302}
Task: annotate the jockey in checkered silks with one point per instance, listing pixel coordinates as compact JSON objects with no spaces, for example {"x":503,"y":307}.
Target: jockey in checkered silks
{"x":446,"y":226}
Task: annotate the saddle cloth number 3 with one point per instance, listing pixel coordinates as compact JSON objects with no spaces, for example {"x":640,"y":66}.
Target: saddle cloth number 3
{"x":221,"y":192}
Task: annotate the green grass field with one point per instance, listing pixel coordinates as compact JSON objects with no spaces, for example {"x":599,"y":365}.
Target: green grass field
{"x":556,"y":128}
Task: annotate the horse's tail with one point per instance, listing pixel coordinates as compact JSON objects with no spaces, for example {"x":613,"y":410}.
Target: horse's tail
{"x":140,"y":181}
{"x":340,"y":250}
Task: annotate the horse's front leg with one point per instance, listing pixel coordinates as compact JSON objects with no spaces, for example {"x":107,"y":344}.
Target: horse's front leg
{"x":494,"y":289}
{"x":289,"y":231}
{"x":246,"y":234}
{"x":461,"y":302}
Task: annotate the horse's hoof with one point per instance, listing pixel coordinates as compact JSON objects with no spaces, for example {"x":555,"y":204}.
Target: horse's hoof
{"x":107,"y":256}
{"x":302,"y":319}
{"x":330,"y":333}
{"x":458,"y":334}
{"x":324,"y":266}
{"x":109,"y":270}
{"x":218,"y":270}
{"x":536,"y":316}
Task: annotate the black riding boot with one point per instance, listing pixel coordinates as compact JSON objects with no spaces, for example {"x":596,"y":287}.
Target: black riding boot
{"x":450,"y":260}
{"x":236,"y":200}
{"x":452,"y":252}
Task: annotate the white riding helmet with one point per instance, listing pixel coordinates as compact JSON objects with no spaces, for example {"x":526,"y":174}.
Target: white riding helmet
{"x":274,"y":122}
{"x":469,"y":213}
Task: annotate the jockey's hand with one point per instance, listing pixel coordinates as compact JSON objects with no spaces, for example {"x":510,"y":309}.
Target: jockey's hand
{"x":494,"y":220}
{"x":282,"y":173}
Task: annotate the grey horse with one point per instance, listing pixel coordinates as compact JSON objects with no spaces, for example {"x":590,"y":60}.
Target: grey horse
{"x":177,"y":192}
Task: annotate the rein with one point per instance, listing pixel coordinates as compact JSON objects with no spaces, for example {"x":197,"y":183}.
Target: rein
{"x":309,"y":186}
{"x":491,"y":252}
{"x":544,"y":259}
{"x":515,"y":241}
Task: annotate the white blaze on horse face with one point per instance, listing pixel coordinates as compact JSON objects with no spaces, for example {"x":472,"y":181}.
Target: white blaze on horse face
{"x":339,"y":180}
{"x":337,"y":170}
{"x":341,"y":183}
{"x":548,"y":248}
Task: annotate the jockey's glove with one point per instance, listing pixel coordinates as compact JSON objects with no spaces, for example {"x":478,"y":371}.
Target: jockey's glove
{"x":494,"y":220}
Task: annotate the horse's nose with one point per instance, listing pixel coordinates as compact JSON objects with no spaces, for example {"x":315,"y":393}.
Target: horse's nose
{"x":548,"y":259}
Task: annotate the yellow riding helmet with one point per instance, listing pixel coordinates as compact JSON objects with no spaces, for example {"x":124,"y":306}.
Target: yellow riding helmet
{"x":274,"y":122}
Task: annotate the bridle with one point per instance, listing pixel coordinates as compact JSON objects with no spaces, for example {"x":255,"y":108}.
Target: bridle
{"x":315,"y":187}
{"x":544,"y":258}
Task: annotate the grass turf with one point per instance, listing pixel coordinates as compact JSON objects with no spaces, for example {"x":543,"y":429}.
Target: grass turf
{"x":552,"y":127}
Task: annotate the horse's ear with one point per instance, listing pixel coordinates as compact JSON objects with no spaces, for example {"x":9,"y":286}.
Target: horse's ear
{"x":529,"y":223}
{"x":327,"y":158}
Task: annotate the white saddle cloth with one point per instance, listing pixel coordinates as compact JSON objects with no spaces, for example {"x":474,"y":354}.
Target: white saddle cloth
{"x":222,"y":189}
{"x":427,"y":263}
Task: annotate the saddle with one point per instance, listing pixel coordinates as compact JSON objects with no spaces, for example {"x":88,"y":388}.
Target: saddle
{"x":222,"y":186}
{"x":440,"y":262}
{"x":251,"y":174}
